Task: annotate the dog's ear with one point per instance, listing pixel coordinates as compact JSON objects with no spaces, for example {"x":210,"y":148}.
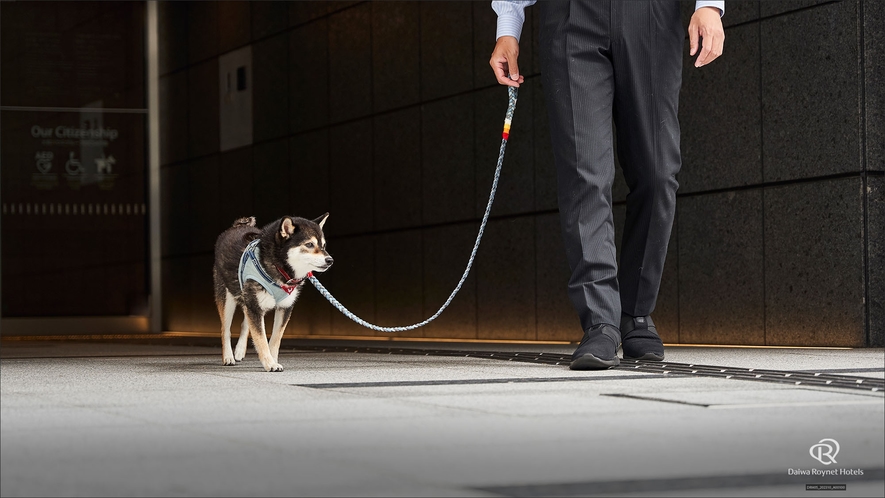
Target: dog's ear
{"x":321,"y":220}
{"x":287,"y":228}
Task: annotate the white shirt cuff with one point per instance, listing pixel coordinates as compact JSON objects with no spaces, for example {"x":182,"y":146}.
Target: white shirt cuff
{"x":509,"y":25}
{"x":719,"y":5}
{"x":511,"y":17}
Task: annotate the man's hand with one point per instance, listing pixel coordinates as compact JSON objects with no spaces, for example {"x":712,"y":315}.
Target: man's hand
{"x":504,"y":63}
{"x":706,"y":24}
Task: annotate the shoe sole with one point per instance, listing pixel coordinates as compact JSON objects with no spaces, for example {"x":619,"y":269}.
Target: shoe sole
{"x":590,"y":362}
{"x":647,"y":357}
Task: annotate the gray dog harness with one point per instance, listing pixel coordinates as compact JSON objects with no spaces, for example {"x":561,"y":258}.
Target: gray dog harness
{"x":250,"y":269}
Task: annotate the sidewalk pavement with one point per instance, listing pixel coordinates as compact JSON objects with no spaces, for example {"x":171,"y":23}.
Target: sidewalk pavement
{"x":368,"y":418}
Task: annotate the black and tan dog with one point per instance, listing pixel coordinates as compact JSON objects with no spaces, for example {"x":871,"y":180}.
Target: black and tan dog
{"x":261,"y":270}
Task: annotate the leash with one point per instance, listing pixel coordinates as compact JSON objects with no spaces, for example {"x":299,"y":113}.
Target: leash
{"x":511,"y":106}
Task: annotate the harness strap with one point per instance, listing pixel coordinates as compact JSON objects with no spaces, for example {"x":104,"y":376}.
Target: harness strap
{"x":250,"y":269}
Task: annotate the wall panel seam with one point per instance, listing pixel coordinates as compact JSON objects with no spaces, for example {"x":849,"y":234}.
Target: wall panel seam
{"x":865,"y":195}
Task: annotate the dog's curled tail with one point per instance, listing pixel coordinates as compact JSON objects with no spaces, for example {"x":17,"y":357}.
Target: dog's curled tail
{"x":248,"y":221}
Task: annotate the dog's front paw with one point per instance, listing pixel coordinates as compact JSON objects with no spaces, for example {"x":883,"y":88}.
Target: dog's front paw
{"x":239,"y":355}
{"x":228,"y":361}
{"x":274,"y":367}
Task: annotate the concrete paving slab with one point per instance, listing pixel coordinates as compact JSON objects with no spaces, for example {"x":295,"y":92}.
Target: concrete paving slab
{"x":130,"y":419}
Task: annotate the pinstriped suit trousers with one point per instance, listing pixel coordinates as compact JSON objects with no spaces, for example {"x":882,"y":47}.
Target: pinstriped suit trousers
{"x":602,"y":62}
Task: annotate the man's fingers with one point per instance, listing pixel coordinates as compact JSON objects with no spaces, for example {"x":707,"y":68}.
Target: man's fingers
{"x":500,"y":69}
{"x":712,"y":48}
{"x":693,"y":38}
{"x":718,"y":48}
{"x":513,"y":66}
{"x":705,"y":52}
{"x":512,"y":76}
{"x":502,"y":74}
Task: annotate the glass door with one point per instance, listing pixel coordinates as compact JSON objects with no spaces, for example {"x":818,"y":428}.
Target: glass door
{"x":73,"y":168}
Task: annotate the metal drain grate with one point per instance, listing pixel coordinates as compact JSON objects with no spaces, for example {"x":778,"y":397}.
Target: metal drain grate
{"x":818,"y":379}
{"x":804,"y":378}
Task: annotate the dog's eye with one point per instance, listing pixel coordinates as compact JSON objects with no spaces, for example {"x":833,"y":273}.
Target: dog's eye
{"x":309,"y":245}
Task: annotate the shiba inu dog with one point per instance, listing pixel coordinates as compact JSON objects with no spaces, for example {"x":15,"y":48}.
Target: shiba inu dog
{"x":261,"y":270}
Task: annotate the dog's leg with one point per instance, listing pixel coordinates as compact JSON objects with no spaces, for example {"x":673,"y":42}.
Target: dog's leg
{"x":243,"y":341}
{"x":259,"y":340}
{"x":227,"y":310}
{"x":280,"y":320}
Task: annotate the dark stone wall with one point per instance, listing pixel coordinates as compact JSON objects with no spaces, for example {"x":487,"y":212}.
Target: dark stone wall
{"x":387,"y":115}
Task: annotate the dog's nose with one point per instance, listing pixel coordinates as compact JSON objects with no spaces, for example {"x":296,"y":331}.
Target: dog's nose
{"x":329,"y":261}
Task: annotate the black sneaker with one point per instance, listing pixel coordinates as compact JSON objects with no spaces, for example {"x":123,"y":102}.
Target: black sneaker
{"x":640,"y":339}
{"x":598,"y":349}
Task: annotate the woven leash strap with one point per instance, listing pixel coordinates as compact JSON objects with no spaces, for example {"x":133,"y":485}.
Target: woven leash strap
{"x":511,"y":106}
